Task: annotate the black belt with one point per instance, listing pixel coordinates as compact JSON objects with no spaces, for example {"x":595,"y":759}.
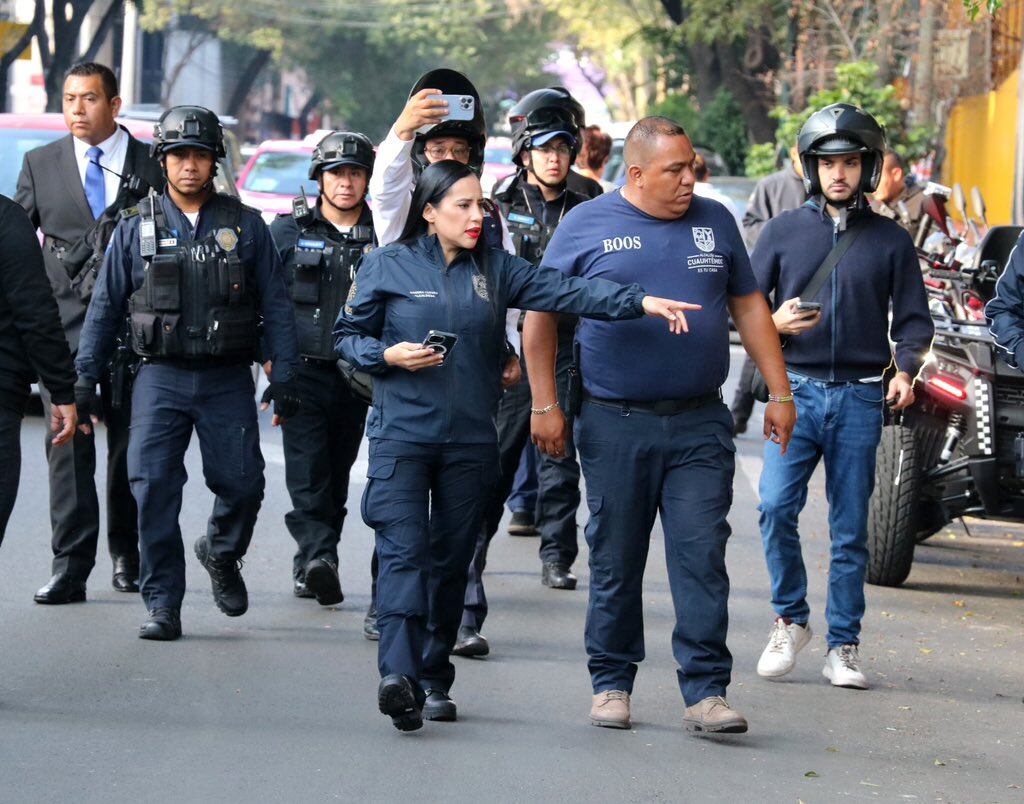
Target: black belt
{"x":662,"y":407}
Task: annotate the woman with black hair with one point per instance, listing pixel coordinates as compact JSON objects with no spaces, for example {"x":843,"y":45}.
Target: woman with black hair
{"x":433,"y":443}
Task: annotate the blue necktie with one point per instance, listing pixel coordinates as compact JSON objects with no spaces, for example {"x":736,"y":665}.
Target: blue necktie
{"x":95,"y":186}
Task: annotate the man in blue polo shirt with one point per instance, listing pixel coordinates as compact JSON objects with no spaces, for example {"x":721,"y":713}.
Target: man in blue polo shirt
{"x":652,"y":433}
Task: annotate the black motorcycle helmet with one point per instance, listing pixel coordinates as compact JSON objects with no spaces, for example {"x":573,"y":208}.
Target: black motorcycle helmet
{"x":188,"y":127}
{"x":541,"y":116}
{"x":841,"y":128}
{"x":342,"y":148}
{"x":452,"y":82}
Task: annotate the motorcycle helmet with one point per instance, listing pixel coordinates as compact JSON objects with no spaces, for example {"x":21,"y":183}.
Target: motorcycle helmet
{"x":542,"y":115}
{"x":451,"y":82}
{"x":841,"y":128}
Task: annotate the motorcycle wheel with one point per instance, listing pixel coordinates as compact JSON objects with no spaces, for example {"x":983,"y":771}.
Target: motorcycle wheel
{"x":892,"y":513}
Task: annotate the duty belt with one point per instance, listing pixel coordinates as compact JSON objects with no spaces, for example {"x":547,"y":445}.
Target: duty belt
{"x":662,"y":407}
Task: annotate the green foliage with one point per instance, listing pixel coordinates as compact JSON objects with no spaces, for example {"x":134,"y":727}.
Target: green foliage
{"x":720,"y":126}
{"x":857,"y":83}
{"x":761,"y":160}
{"x":973,"y":7}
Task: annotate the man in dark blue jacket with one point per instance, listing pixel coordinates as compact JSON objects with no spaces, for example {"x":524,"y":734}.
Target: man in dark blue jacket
{"x":194,"y":270}
{"x":836,"y":356}
{"x":1006,"y":310}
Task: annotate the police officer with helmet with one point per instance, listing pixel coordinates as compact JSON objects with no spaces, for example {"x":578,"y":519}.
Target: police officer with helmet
{"x":195,"y":271}
{"x":545,"y":142}
{"x":321,"y":249}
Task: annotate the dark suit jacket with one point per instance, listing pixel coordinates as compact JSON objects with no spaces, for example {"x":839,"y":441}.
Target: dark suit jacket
{"x":50,"y":190}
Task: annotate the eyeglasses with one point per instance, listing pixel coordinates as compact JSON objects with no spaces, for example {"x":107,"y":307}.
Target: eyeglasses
{"x":560,"y":149}
{"x":439,"y":152}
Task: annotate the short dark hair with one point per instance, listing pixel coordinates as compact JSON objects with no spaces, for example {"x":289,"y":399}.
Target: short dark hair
{"x":700,"y":168}
{"x":599,"y":146}
{"x":646,"y":131}
{"x":87,"y":68}
{"x":901,"y":163}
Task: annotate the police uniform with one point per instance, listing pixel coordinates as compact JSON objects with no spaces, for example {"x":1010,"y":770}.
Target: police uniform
{"x":653,"y":434}
{"x":194,"y":296}
{"x":432,"y":435}
{"x":322,"y":442}
{"x":531,"y":222}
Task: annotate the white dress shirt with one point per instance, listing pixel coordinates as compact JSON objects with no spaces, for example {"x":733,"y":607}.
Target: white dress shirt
{"x":115,"y":149}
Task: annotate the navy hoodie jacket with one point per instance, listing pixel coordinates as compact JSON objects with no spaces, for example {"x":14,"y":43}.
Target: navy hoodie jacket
{"x":879,"y":271}
{"x":403,"y":291}
{"x":1005,"y":311}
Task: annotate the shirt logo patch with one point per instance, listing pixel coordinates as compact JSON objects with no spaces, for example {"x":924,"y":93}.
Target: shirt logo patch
{"x":423,"y":294}
{"x":167,"y":242}
{"x":480,"y":286}
{"x":627,"y":243}
{"x":704,"y":238}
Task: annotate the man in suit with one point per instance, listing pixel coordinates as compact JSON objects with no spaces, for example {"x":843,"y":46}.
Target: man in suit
{"x":73,"y":190}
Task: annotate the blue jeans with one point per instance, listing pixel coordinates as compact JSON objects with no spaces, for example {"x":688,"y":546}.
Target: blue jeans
{"x":524,"y":487}
{"x":842,"y":423}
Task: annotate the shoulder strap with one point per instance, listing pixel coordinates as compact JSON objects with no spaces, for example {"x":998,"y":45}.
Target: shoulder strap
{"x":227,"y":211}
{"x":822,"y":275}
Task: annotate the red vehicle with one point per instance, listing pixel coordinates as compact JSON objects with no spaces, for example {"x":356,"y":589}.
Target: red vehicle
{"x":275,"y":173}
{"x":23,"y":132}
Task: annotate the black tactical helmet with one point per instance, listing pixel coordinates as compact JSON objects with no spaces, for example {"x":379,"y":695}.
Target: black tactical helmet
{"x":452,"y":82}
{"x":841,"y":128}
{"x":342,"y":148}
{"x":188,"y":127}
{"x":541,"y":116}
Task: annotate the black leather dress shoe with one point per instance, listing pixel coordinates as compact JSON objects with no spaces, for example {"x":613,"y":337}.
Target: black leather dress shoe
{"x":126,"y":574}
{"x":557,"y":576}
{"x":163,"y":625}
{"x":438,"y":706}
{"x":62,"y":588}
{"x":300,"y":589}
{"x":370,"y":630}
{"x":229,"y":592}
{"x":522,"y":524}
{"x":322,"y":580}
{"x":470,"y":642}
{"x":401,"y":699}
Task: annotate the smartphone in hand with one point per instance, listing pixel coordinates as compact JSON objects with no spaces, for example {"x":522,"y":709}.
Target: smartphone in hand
{"x":440,"y":342}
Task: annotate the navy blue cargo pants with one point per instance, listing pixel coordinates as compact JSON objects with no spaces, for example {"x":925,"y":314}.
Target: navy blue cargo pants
{"x":168,"y":402}
{"x":425,"y":503}
{"x":637,"y":465}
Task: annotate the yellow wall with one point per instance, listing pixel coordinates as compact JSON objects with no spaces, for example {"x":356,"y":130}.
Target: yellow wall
{"x":980,"y":146}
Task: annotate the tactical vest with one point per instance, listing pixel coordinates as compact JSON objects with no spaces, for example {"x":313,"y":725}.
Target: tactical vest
{"x":321,"y":269}
{"x":530,"y":236}
{"x":196,"y":300}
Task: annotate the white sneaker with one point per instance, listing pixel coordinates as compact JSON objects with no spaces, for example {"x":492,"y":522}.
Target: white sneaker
{"x":842,"y":668}
{"x":784,"y":642}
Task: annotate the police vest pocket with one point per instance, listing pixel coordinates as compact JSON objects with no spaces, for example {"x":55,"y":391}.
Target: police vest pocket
{"x":231,"y":331}
{"x":144,"y":329}
{"x":163,"y":285}
{"x":306,"y":285}
{"x":382,"y":469}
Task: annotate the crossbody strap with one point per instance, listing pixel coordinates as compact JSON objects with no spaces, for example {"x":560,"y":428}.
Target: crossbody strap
{"x":821,"y":276}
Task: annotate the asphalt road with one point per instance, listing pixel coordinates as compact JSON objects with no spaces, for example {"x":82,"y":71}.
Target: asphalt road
{"x":280,"y":704}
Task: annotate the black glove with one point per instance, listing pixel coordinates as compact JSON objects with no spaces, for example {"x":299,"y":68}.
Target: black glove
{"x":285,"y":397}
{"x":86,"y":402}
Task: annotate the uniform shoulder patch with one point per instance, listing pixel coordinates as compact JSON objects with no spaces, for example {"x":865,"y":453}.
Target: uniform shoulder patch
{"x":129,"y":212}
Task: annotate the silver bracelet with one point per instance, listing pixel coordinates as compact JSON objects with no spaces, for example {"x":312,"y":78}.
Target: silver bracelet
{"x":542,"y":411}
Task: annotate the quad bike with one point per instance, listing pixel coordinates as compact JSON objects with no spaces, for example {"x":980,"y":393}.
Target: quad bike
{"x":959,"y":449}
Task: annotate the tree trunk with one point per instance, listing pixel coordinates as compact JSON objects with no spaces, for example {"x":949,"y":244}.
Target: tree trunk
{"x":9,"y":58}
{"x":923,"y":80}
{"x":306,"y":109}
{"x":243,"y":87}
{"x":883,"y":55}
{"x":114,"y":11}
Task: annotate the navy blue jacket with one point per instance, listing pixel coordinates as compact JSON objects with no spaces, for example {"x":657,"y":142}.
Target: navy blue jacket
{"x":404,"y":291}
{"x":1006,"y":310}
{"x":124,"y":270}
{"x":880,"y":271}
